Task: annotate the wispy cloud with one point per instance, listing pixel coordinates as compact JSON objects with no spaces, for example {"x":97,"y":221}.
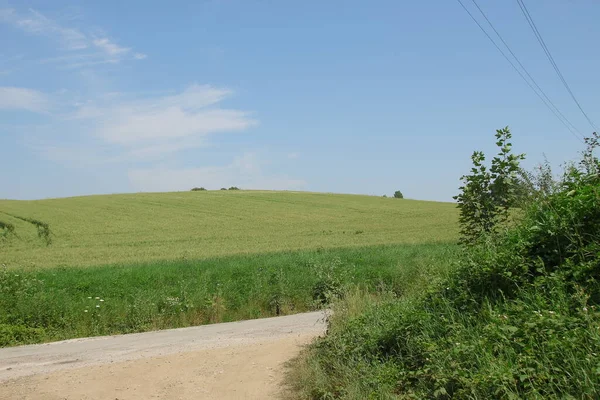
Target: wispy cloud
{"x":85,"y":49}
{"x":16,"y":98}
{"x":147,"y":129}
{"x":245,"y":171}
{"x":36,"y":23}
{"x":111,"y":49}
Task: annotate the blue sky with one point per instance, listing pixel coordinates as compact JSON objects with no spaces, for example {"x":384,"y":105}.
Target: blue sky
{"x":336,"y":96}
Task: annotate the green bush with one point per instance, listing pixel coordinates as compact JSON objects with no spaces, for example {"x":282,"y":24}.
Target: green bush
{"x":487,"y":194}
{"x":398,"y":195}
{"x":518,"y":318}
{"x":198,"y":189}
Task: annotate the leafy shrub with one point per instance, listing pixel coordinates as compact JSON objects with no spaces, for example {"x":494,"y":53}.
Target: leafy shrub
{"x":234,"y":188}
{"x":329,"y":283}
{"x":198,"y":189}
{"x":487,"y":194}
{"x":558,"y":237}
{"x":398,"y":195}
{"x":518,"y":318}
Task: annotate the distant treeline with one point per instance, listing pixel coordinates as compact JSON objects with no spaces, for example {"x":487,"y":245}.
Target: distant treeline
{"x":200,"y":189}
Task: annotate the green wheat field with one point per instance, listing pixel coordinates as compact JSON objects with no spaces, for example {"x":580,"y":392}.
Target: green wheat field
{"x":105,"y":265}
{"x":134,"y":228}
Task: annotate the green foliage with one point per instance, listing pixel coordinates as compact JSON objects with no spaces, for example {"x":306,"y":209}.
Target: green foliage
{"x":331,"y":277}
{"x":536,"y":185}
{"x":60,"y":303}
{"x":11,"y":335}
{"x":234,"y":188}
{"x":198,"y":189}
{"x":518,"y":318}
{"x":398,"y":195}
{"x":487,"y":194}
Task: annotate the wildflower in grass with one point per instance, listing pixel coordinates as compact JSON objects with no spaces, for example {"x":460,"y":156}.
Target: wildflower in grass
{"x":89,"y":297}
{"x":98,"y":306}
{"x":101,"y":299}
{"x":97,"y":298}
{"x":85,"y":310}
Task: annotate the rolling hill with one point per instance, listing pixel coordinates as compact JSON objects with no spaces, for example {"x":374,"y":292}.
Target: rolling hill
{"x":133,"y":228}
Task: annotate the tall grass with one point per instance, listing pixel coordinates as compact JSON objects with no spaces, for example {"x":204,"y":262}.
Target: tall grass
{"x":45,"y":304}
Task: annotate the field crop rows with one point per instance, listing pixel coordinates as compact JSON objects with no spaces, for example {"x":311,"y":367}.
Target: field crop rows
{"x":134,"y":228}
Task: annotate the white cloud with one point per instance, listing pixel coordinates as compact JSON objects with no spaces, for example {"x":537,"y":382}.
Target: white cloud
{"x":37,"y":23}
{"x":170,"y":123}
{"x":110,"y":48}
{"x":244,"y":172}
{"x":150,"y":128}
{"x":15,"y":98}
{"x":98,"y":50}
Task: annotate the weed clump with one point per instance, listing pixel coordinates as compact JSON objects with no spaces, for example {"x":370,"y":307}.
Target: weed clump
{"x":6,"y":231}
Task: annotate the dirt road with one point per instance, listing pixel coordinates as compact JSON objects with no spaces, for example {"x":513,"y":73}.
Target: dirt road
{"x":238,"y":360}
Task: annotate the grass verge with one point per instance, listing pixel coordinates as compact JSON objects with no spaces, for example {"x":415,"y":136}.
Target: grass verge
{"x":45,"y":304}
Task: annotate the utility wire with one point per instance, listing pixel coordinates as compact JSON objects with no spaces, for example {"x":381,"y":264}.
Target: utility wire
{"x":540,"y":39}
{"x":525,"y":69}
{"x":517,"y":70}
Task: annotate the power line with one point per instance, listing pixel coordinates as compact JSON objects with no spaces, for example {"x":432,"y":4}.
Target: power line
{"x":517,"y":70}
{"x":542,"y":43}
{"x":525,"y":69}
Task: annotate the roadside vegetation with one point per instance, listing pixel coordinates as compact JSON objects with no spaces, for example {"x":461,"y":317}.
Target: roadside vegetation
{"x":54,"y":303}
{"x":515,"y":317}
